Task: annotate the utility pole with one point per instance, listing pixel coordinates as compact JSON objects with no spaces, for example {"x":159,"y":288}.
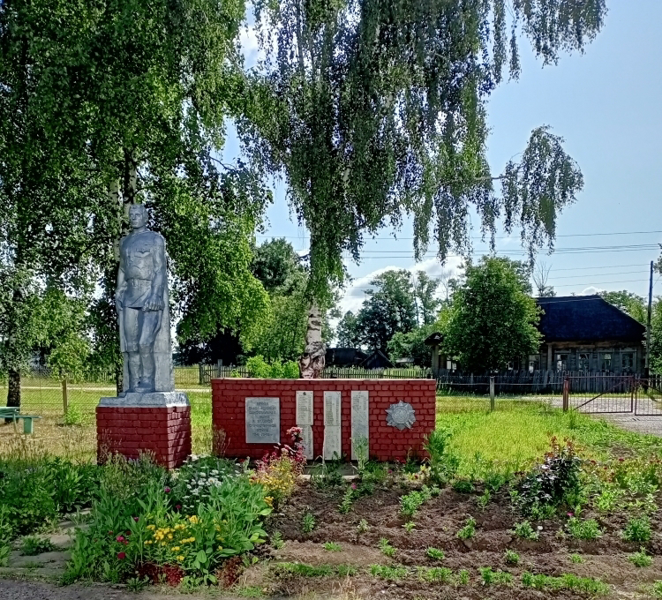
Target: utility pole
{"x":648,"y":323}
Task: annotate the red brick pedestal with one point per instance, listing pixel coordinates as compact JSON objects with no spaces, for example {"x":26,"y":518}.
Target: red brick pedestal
{"x":386,"y":442}
{"x":129,"y":429}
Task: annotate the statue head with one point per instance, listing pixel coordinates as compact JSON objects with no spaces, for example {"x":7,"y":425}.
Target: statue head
{"x":137,"y":216}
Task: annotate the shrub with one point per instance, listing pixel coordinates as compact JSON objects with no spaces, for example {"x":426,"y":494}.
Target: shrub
{"x":197,"y":477}
{"x":308,"y":523}
{"x":443,"y":464}
{"x":525,"y":531}
{"x":584,"y":530}
{"x":638,"y":529}
{"x":279,"y":470}
{"x":388,"y":573}
{"x":641,"y":559}
{"x":499,"y":577}
{"x":261,"y":369}
{"x":434,"y":554}
{"x":73,"y":416}
{"x":386,"y":548}
{"x":32,"y":545}
{"x":469,"y":530}
{"x":548,"y":483}
{"x":410,"y":503}
{"x":332,"y":547}
{"x":434,"y":574}
{"x":135,"y":523}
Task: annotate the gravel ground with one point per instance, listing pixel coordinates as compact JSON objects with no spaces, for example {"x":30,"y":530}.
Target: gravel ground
{"x":37,"y":590}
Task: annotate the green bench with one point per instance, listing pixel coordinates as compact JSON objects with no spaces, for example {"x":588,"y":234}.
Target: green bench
{"x":13,"y":413}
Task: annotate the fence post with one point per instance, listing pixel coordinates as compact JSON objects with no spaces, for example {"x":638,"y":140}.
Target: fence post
{"x":492,"y":401}
{"x":566,"y":394}
{"x":65,"y":396}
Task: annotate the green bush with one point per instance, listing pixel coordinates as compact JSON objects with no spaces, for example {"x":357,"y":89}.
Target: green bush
{"x":584,"y":530}
{"x":261,"y":369}
{"x":525,"y":531}
{"x":638,"y":529}
{"x":138,"y":519}
{"x":35,"y":492}
{"x":32,"y":545}
{"x":443,"y":464}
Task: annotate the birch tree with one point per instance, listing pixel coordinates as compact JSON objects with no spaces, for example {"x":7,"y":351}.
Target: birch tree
{"x":374,"y":110}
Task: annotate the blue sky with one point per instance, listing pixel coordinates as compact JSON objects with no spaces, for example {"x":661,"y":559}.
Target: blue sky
{"x":606,"y":103}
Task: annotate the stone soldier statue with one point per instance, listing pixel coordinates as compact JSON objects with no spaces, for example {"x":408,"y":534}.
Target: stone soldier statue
{"x":142,"y":305}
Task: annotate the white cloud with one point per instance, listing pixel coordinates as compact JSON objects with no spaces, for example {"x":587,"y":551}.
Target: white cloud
{"x":250,"y":46}
{"x":355,"y":293}
{"x":590,"y":291}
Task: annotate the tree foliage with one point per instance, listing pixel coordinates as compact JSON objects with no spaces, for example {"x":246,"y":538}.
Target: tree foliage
{"x":110,"y":102}
{"x":397,"y":302}
{"x":375,"y":110}
{"x":629,"y":303}
{"x":492,"y":319}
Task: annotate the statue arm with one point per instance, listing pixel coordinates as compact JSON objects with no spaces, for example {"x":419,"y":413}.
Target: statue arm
{"x":121,"y":286}
{"x":155,"y":300}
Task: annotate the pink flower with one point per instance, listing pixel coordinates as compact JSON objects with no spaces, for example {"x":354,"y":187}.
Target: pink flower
{"x":121,"y":555}
{"x":353,"y":486}
{"x":178,"y":507}
{"x":119,"y":538}
{"x":621,"y":459}
{"x":570,"y":514}
{"x":136,"y":519}
{"x":167,"y":490}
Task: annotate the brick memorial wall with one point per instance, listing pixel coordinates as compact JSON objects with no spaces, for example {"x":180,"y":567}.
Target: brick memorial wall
{"x":253,"y":415}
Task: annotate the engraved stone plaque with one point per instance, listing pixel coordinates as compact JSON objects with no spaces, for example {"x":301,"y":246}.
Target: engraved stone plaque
{"x":307,"y":435}
{"x":359,"y":422}
{"x":332,"y":413}
{"x":262,"y":420}
{"x":332,"y":426}
{"x":304,"y":408}
{"x":332,"y":442}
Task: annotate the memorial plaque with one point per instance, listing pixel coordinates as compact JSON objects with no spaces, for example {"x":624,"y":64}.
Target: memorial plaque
{"x":262,"y":420}
{"x":359,"y":422}
{"x":332,"y":442}
{"x":304,"y":408}
{"x":332,"y":412}
{"x":307,"y":436}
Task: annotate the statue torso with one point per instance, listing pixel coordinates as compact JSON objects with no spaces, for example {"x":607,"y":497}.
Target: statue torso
{"x":137,"y":252}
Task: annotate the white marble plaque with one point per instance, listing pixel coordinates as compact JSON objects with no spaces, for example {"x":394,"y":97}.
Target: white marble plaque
{"x":332,"y":412}
{"x":332,"y":442}
{"x":304,"y":408}
{"x":262,"y":420}
{"x":359,"y":422}
{"x":307,"y":435}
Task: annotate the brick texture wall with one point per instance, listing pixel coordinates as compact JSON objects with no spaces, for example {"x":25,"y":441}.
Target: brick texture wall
{"x":386,"y":443}
{"x":166,"y":432}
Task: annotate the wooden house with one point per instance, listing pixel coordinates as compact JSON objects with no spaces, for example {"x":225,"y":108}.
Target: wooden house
{"x":579,"y":334}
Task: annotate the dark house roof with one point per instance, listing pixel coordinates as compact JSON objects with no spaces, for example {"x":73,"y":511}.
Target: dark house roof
{"x":344,"y":357}
{"x":586,"y":319}
{"x":434,"y":339}
{"x":377,"y":360}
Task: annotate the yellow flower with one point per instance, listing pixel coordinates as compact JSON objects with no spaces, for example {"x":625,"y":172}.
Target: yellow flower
{"x":180,"y":558}
{"x":220,"y":548}
{"x":148,"y":543}
{"x":193,"y":519}
{"x":170,"y":536}
{"x":152,"y":527}
{"x":175,"y":548}
{"x":269,"y":500}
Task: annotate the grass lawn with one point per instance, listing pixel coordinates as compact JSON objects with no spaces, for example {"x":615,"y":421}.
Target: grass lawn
{"x":517,"y":433}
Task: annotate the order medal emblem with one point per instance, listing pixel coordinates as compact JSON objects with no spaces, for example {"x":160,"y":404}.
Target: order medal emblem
{"x":400,"y":415}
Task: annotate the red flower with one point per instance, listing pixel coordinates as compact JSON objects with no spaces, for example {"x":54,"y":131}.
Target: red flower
{"x":121,"y":555}
{"x":178,"y":507}
{"x":136,"y":519}
{"x":167,"y":490}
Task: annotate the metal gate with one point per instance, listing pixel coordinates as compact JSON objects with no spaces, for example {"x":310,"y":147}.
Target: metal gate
{"x":595,"y":394}
{"x":648,"y":397}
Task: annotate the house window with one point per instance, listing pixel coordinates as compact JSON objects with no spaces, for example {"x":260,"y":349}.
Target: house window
{"x":561,"y":362}
{"x":627,"y":360}
{"x":451,"y":365}
{"x":584,"y":362}
{"x":534,"y":362}
{"x":605,"y":361}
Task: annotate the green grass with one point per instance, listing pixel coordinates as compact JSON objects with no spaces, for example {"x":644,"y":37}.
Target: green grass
{"x":517,"y":433}
{"x":569,"y":581}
